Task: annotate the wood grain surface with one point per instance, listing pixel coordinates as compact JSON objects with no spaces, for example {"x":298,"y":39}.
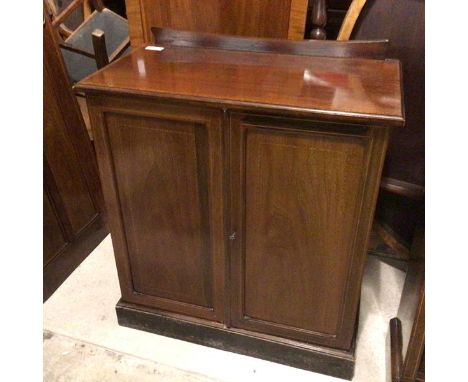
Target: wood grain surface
{"x":164,"y":194}
{"x":241,"y":189}
{"x":260,"y":18}
{"x":348,"y":89}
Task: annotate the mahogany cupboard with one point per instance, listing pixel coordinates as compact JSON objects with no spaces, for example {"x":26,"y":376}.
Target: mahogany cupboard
{"x":240,"y":188}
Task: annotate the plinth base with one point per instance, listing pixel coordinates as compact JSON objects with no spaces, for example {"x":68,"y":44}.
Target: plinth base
{"x":319,"y":359}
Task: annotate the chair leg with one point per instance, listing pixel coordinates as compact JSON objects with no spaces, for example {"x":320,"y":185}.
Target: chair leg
{"x":98,"y":5}
{"x":100,"y":51}
{"x":319,"y":19}
{"x":395,"y":349}
{"x":87,"y":9}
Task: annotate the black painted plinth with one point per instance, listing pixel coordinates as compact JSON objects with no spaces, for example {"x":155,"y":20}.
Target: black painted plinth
{"x":336,"y":363}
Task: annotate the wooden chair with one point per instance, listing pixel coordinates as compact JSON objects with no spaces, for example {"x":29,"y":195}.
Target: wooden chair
{"x":350,"y":19}
{"x":407,"y":329}
{"x":99,"y":40}
{"x":318,"y":19}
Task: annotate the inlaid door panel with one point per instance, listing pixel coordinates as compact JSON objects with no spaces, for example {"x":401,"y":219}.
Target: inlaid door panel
{"x":167,"y":172}
{"x":296,"y":196}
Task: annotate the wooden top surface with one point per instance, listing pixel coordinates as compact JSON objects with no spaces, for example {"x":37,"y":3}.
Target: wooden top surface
{"x":345,"y":89}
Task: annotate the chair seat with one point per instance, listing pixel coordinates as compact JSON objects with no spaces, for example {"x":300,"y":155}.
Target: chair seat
{"x":115,"y":29}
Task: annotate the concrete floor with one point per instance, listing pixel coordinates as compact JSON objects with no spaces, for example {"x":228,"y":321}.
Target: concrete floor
{"x":83,"y":342}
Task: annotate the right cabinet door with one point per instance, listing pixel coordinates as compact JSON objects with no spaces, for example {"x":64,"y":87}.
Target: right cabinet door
{"x":302,"y":200}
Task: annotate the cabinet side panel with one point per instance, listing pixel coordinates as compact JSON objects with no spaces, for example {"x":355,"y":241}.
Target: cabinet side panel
{"x":160,"y":167}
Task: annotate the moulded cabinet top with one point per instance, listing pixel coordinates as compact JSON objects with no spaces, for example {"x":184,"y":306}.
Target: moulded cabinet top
{"x":344,"y":89}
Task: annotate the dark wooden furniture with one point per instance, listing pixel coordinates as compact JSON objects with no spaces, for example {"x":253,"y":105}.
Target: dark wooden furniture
{"x":397,"y":213}
{"x":407,"y":330}
{"x":240,"y":187}
{"x":332,"y":19}
{"x":405,"y":159}
{"x":260,"y":18}
{"x":327,"y":16}
{"x":73,"y":223}
{"x":318,"y":19}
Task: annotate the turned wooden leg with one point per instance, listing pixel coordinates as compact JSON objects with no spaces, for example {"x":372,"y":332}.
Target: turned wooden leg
{"x":318,"y":20}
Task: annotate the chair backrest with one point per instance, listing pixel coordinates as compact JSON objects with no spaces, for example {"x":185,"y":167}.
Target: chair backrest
{"x":319,"y":16}
{"x":257,"y":18}
{"x":350,"y":19}
{"x":355,"y":49}
{"x":85,"y":48}
{"x":58,"y":17}
{"x":61,"y":16}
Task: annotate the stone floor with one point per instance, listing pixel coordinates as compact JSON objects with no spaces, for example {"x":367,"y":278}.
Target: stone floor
{"x":83,"y":342}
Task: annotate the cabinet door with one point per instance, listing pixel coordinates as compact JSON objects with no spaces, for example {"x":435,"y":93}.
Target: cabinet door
{"x":302,"y":201}
{"x":161,"y":166}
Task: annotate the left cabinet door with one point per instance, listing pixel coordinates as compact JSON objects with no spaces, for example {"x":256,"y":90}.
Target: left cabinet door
{"x":161,"y":166}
